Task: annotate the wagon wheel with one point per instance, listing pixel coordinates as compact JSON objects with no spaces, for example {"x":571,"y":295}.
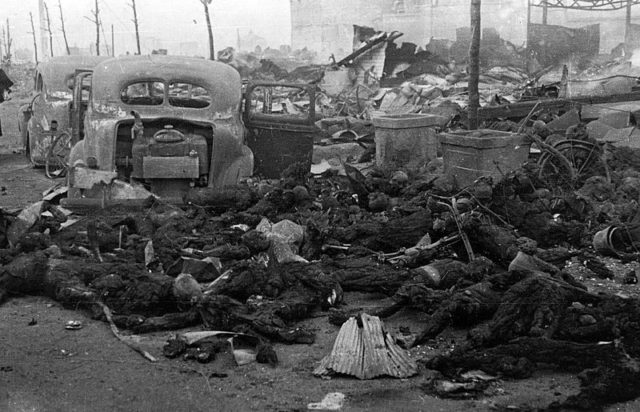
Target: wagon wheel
{"x":56,"y":162}
{"x":586,"y":158}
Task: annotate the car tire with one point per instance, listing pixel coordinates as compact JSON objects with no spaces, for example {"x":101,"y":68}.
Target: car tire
{"x":27,"y":151}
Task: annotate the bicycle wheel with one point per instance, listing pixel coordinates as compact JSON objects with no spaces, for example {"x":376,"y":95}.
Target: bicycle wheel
{"x":586,"y":159}
{"x":56,"y":162}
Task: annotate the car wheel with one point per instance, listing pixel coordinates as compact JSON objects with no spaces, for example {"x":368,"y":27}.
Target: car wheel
{"x":27,"y":151}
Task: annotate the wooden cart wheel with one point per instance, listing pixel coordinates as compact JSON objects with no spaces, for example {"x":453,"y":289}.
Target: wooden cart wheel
{"x":58,"y":155}
{"x":586,"y":158}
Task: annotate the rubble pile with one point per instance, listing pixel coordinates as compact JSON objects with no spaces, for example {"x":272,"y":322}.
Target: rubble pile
{"x":256,"y":259}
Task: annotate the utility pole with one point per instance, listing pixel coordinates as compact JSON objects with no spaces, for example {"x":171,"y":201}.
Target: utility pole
{"x":206,"y":4}
{"x":42,"y":28}
{"x":474,"y":65}
{"x":113,"y":50}
{"x":46,"y":10}
{"x":64,"y":32}
{"x":33,"y":32}
{"x":7,"y":43}
{"x":96,"y":20}
{"x":135,"y":23}
{"x":545,"y":11}
{"x":627,"y":27}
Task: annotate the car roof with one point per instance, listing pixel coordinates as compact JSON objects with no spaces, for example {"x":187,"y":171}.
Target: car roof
{"x":57,"y":70}
{"x":111,"y":76}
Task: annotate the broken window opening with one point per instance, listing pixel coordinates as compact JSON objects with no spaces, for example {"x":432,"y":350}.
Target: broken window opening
{"x":146,"y":93}
{"x":182,"y":94}
{"x":290,"y":102}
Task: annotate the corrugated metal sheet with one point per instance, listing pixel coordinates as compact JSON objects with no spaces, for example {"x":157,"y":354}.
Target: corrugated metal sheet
{"x":366,"y":352}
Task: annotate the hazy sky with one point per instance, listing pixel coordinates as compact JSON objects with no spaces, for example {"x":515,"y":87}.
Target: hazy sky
{"x":169,"y":21}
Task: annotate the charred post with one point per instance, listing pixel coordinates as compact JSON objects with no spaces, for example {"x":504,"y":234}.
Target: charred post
{"x":96,"y":20}
{"x":64,"y":32}
{"x":46,"y":10}
{"x":206,"y":3}
{"x":33,"y":32}
{"x":135,"y":23}
{"x":8,"y":41}
{"x":474,"y":65}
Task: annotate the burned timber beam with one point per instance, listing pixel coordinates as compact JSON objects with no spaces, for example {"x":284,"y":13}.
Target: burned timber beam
{"x":522,"y":109}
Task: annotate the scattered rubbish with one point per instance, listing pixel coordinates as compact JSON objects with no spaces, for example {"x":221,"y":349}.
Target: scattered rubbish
{"x":202,"y":346}
{"x":24,"y":221}
{"x":149,"y":254}
{"x":631,"y":278}
{"x":608,"y":241}
{"x":73,"y":325}
{"x":242,"y":354}
{"x":331,"y":402}
{"x":478,"y":375}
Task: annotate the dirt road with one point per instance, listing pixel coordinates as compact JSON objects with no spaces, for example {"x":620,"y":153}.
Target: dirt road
{"x":20,"y":183}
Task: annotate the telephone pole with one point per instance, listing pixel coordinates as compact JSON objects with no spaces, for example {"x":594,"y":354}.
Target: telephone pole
{"x":33,"y":32}
{"x":7,"y":42}
{"x":96,"y":20}
{"x":206,"y":3}
{"x":64,"y":32}
{"x":46,"y":10}
{"x":135,"y":23}
{"x":474,"y":65}
{"x":42,"y":26}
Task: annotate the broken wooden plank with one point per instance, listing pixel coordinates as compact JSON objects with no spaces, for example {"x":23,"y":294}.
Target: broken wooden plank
{"x":521,"y":109}
{"x":129,"y":340}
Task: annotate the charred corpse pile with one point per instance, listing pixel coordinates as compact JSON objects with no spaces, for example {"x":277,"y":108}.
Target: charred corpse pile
{"x":497,"y":257}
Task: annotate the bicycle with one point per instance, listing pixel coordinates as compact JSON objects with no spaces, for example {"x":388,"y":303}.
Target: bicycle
{"x":56,"y":162}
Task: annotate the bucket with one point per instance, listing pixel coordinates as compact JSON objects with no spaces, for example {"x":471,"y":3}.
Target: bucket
{"x":608,"y":241}
{"x":431,"y":275}
{"x":523,"y":261}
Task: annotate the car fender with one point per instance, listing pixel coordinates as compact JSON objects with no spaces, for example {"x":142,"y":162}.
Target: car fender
{"x":77,"y":155}
{"x":230,"y":159}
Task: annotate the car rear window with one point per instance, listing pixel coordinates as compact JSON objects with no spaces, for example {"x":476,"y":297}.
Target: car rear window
{"x":148,"y":93}
{"x":188,"y":95}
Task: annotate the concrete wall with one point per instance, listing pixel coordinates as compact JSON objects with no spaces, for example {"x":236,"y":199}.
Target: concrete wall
{"x":326,"y":26}
{"x":441,"y":18}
